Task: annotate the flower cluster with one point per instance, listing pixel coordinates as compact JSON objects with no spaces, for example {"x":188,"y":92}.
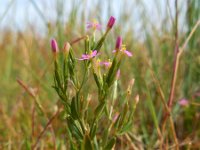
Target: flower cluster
{"x":84,"y":127}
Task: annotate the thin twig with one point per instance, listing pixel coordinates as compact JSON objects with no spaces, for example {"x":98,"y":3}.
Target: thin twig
{"x":184,"y":143}
{"x":132,"y":145}
{"x":45,"y":128}
{"x":78,"y":39}
{"x":190,"y":35}
{"x":176,"y":60}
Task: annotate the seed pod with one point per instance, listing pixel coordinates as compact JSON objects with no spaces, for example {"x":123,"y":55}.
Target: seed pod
{"x":66,"y":48}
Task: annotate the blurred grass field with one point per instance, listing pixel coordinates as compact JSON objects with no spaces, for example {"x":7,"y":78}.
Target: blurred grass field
{"x":25,"y":55}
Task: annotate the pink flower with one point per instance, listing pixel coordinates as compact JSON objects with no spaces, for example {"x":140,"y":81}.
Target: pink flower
{"x":111,"y":22}
{"x":106,"y":63}
{"x":118,"y":43}
{"x":89,"y":56}
{"x":121,"y":48}
{"x":94,"y":25}
{"x":54,"y":46}
{"x":183,"y":102}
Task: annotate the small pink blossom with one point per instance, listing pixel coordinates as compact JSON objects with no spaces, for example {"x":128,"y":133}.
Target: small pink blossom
{"x":89,"y":56}
{"x":106,"y":63}
{"x":123,"y":50}
{"x":111,"y":22}
{"x":94,"y":25}
{"x":54,"y":46}
{"x":183,"y":102}
{"x":128,"y":53}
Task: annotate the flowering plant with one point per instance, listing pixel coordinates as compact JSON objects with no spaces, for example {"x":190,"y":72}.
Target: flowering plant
{"x":93,"y":122}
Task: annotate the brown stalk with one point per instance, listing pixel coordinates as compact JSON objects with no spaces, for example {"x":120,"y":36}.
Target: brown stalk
{"x":173,"y":81}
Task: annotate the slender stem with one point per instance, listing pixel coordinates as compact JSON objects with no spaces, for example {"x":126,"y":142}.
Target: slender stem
{"x":176,"y":60}
{"x":84,"y":78}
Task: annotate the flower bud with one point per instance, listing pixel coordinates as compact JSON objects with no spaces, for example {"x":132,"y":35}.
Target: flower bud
{"x":66,"y":48}
{"x":54,"y":46}
{"x":111,"y":22}
{"x":118,"y":43}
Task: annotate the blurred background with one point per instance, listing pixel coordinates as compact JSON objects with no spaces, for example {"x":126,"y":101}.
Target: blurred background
{"x":147,"y":27}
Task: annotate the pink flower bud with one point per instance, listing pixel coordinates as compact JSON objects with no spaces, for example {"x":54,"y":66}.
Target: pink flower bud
{"x":118,"y":43}
{"x":111,"y":22}
{"x":54,"y":46}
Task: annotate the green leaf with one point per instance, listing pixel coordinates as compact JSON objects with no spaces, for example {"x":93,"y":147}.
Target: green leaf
{"x":113,"y":74}
{"x":116,"y":124}
{"x":100,"y":43}
{"x":124,"y":114}
{"x":126,"y":128}
{"x":87,"y":143}
{"x":74,"y":112}
{"x":110,"y":72}
{"x":110,"y":144}
{"x":93,"y":130}
{"x":87,"y":45}
{"x":27,"y":144}
{"x":76,"y":131}
{"x":97,"y":80}
{"x":57,"y":76}
{"x":96,"y":146}
{"x":99,"y":109}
